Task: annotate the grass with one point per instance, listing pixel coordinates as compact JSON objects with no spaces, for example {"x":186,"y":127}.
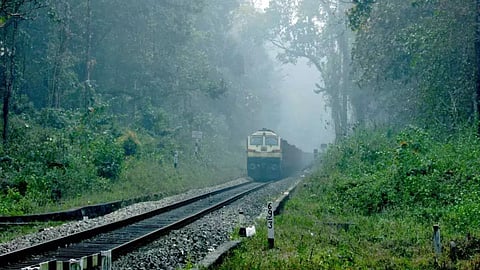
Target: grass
{"x":7,"y":233}
{"x":309,"y":235}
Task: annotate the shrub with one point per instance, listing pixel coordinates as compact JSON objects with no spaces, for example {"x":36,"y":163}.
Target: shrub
{"x":130,"y":143}
{"x":107,"y":157}
{"x":413,"y":169}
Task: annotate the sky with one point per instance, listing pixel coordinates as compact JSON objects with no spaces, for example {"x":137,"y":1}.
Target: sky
{"x":260,"y":4}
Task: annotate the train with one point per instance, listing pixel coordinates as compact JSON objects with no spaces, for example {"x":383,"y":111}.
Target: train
{"x":270,"y":157}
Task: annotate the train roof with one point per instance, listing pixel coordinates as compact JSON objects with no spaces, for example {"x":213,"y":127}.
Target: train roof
{"x":264,"y":131}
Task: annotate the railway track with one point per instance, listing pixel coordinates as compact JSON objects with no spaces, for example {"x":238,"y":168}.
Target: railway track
{"x":102,"y":245}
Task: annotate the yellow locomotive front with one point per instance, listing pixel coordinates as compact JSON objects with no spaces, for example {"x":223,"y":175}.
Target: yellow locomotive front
{"x":264,"y":155}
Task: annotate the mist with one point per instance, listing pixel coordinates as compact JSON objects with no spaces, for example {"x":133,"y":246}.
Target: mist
{"x":298,"y":115}
{"x":305,"y":119}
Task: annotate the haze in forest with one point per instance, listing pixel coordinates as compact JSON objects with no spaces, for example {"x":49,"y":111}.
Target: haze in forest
{"x":104,"y":95}
{"x":304,"y":118}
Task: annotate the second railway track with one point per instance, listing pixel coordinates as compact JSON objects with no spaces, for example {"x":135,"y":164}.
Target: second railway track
{"x":118,"y":238}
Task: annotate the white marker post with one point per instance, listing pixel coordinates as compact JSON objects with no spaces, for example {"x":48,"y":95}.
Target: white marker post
{"x":271,"y":237}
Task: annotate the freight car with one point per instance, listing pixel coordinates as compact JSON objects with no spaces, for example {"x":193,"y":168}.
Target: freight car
{"x":270,"y":157}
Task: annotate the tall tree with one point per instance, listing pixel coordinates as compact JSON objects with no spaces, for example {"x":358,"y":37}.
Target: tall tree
{"x":59,"y":57}
{"x":477,"y":58}
{"x":238,"y":53}
{"x":89,"y":62}
{"x":315,"y":30}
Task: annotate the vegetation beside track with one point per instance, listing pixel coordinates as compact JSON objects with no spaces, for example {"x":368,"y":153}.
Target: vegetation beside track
{"x":372,"y":204}
{"x":59,"y":161}
{"x":63,"y":160}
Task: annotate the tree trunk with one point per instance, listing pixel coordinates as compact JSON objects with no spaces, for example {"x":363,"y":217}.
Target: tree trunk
{"x":8,"y":80}
{"x":345,"y":77}
{"x":88,"y":63}
{"x":6,"y":104}
{"x":477,"y":56}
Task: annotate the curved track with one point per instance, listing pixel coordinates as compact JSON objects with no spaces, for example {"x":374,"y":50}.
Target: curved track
{"x":103,"y":244}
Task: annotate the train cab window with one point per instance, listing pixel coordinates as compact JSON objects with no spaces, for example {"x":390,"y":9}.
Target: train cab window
{"x":256,"y":140}
{"x":271,"y":140}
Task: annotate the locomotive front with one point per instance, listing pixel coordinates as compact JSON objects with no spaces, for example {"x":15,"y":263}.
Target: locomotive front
{"x":264,"y":155}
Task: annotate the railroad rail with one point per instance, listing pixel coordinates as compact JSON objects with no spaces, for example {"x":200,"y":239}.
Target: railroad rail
{"x":79,"y":213}
{"x":98,"y":247}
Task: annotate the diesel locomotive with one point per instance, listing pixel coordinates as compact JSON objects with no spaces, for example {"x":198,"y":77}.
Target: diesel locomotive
{"x":269,"y":157}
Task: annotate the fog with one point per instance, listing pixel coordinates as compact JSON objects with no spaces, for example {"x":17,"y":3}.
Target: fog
{"x":305,"y":120}
{"x":301,"y":117}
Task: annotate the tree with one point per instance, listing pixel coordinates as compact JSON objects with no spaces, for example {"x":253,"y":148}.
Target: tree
{"x":138,"y":59}
{"x":11,"y":13}
{"x":315,"y":30}
{"x":477,"y":58}
{"x":238,"y":52}
{"x":411,"y":56}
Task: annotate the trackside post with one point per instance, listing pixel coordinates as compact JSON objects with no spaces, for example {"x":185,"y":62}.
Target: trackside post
{"x":437,"y":246}
{"x":241,"y":221}
{"x":74,"y":265}
{"x":106,"y":258}
{"x":270,"y":226}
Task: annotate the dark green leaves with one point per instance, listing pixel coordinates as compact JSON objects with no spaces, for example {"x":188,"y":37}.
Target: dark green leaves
{"x":359,"y":13}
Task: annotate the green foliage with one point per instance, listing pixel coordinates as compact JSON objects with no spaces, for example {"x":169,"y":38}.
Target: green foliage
{"x":422,"y":66}
{"x":130,"y":143}
{"x":10,"y":202}
{"x":50,"y":162}
{"x":359,"y":13}
{"x":66,"y":158}
{"x":53,"y":118}
{"x":130,"y":146}
{"x":81,"y":81}
{"x":431,"y":178}
{"x":107,"y":157}
{"x":310,"y":234}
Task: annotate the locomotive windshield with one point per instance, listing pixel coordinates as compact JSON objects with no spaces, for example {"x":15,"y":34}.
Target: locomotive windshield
{"x":271,"y":140}
{"x":256,"y":140}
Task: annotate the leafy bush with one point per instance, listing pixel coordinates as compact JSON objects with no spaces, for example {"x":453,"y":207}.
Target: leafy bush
{"x":44,"y":164}
{"x":412,"y":170}
{"x":130,"y":143}
{"x":10,"y":203}
{"x":107,"y":157}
